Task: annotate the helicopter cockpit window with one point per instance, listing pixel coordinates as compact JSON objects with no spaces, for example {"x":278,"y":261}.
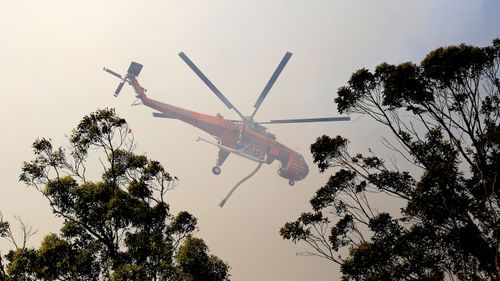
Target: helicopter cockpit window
{"x":300,"y":158}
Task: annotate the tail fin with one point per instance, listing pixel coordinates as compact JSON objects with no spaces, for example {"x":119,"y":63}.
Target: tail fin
{"x":134,"y":69}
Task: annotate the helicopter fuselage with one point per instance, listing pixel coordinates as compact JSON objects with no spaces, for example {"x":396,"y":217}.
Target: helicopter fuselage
{"x":246,"y":139}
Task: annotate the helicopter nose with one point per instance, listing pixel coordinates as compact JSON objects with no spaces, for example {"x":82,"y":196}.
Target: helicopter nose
{"x":302,"y":171}
{"x":305,"y":171}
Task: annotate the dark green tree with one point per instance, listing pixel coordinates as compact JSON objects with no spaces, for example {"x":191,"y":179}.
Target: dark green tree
{"x":443,"y":115}
{"x":4,"y":228}
{"x":116,"y":227}
{"x":26,"y":232}
{"x":197,"y":264}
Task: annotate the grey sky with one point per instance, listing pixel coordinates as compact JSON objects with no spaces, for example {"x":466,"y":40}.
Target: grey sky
{"x":51,"y":57}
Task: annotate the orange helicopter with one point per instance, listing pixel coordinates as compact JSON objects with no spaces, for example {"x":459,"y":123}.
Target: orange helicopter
{"x":245,"y":137}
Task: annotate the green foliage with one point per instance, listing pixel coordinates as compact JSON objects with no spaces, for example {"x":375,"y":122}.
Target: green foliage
{"x":118,"y":227}
{"x":22,"y":264}
{"x":196,"y":264}
{"x":4,"y":226}
{"x":444,"y":114}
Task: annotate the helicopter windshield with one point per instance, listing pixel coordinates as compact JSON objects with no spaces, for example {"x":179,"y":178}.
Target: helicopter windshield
{"x":300,"y":158}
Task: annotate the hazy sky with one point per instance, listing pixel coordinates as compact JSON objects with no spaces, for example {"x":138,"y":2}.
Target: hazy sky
{"x":51,"y":57}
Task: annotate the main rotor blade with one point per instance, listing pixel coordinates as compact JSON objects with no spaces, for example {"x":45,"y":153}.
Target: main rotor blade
{"x":207,"y":82}
{"x":270,"y":84}
{"x":306,"y":120}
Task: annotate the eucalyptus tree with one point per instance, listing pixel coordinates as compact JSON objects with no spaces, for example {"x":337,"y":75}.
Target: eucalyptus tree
{"x":117,"y":224}
{"x":443,"y":115}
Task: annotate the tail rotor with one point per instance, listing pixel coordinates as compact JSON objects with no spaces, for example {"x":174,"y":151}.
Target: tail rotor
{"x":133,"y":71}
{"x":119,"y":88}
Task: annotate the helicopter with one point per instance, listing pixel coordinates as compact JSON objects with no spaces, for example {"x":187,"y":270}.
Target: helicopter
{"x":245,"y":137}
